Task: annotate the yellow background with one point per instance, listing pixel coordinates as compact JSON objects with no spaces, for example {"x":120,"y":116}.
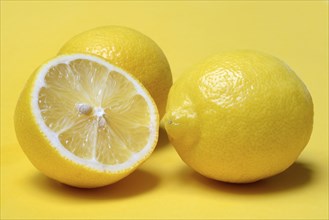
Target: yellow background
{"x":164,"y":187}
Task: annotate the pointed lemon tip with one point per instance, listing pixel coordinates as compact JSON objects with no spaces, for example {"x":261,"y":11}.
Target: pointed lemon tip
{"x":179,"y":126}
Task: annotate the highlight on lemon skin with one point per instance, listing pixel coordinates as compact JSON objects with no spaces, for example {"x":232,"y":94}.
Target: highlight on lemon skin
{"x":85,"y":122}
{"x":239,"y":116}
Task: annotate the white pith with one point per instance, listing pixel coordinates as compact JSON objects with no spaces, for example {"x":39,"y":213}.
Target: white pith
{"x":98,"y":111}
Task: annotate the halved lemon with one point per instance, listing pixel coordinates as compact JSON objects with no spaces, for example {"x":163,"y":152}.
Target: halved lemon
{"x":85,"y":122}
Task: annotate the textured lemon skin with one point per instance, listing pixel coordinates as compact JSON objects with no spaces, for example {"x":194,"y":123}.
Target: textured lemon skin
{"x":239,"y":116}
{"x":46,"y":158}
{"x":131,"y":51}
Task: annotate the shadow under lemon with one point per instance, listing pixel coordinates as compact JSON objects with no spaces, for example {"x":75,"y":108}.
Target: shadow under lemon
{"x":297,"y":175}
{"x":139,"y":182}
{"x":162,"y":140}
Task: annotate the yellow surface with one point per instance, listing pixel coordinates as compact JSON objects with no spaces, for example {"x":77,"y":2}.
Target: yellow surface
{"x":164,"y":187}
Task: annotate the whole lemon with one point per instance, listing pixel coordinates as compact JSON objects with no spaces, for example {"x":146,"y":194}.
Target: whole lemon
{"x":130,"y":50}
{"x":239,"y":116}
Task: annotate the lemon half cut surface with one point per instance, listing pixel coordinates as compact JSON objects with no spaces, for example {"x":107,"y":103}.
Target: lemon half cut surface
{"x":84,"y":122}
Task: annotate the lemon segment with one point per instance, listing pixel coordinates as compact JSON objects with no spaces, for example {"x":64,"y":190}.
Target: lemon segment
{"x":92,"y":114}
